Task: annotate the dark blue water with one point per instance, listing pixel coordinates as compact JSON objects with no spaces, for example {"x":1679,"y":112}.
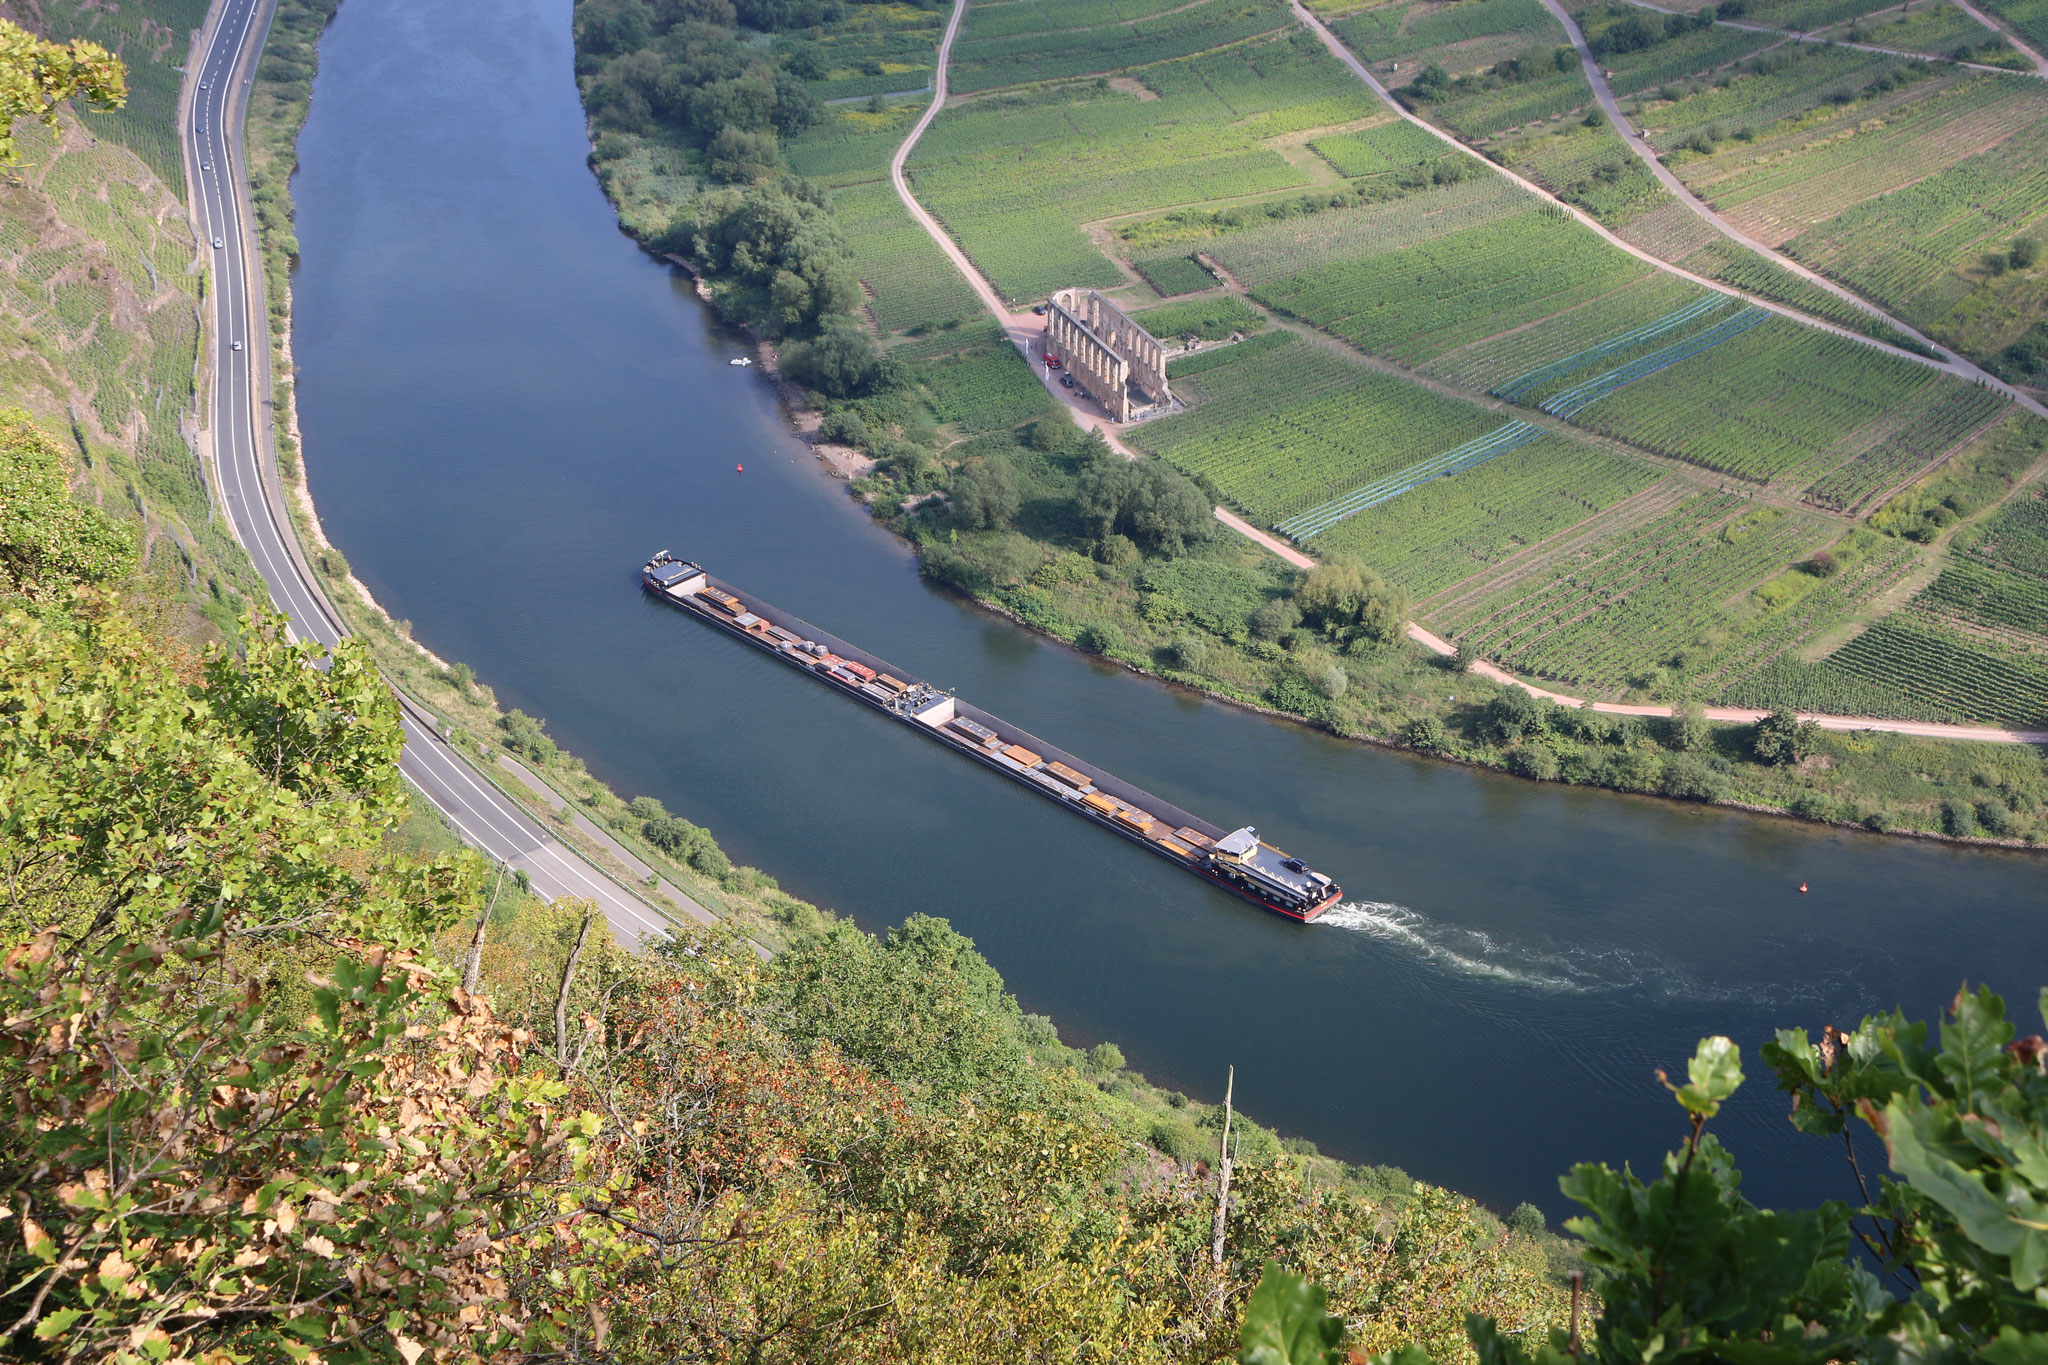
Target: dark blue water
{"x":507,"y":407}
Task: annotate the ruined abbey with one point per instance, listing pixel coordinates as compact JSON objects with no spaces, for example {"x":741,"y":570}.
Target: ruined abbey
{"x":1109,"y":355}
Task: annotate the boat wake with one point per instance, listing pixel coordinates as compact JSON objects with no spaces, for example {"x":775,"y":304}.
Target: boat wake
{"x":1467,"y":952}
{"x":1475,"y":954}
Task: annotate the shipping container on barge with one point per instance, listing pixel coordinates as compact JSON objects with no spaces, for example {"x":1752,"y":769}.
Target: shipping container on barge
{"x":1237,"y":860}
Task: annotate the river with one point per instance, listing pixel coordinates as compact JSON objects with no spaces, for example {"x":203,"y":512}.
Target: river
{"x":507,"y":406}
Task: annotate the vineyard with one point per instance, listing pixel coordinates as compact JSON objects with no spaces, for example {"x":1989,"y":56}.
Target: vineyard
{"x":1988,"y":597}
{"x":1778,"y":186}
{"x":1625,"y":605}
{"x":2030,"y":17}
{"x":1791,"y":80}
{"x":1472,"y":454}
{"x":1524,"y":387}
{"x":1397,"y":30}
{"x":152,"y":43}
{"x":1171,"y":274}
{"x":1764,"y":402}
{"x":1589,"y":168}
{"x":1076,"y":40}
{"x":1418,"y":302}
{"x":1486,"y":112}
{"x":1936,"y":28}
{"x":1285,"y":427}
{"x":984,"y":387}
{"x":1570,"y":401}
{"x":1496,"y":361}
{"x":909,"y":282}
{"x":1805,"y":16}
{"x":1676,"y":58}
{"x":1392,"y":145}
{"x":1208,"y":319}
{"x":1013,"y":177}
{"x":1907,"y":248}
{"x":2014,"y":537}
{"x":1941,"y":670}
{"x":1272,"y":250}
{"x":1444,"y":531}
{"x":1926,"y":429}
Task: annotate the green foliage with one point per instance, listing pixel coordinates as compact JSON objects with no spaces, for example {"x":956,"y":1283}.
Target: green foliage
{"x":1287,"y":1323}
{"x":36,"y":76}
{"x":1156,"y":506}
{"x":1352,"y":605}
{"x":1781,"y":738}
{"x":50,"y":542}
{"x":985,"y":494}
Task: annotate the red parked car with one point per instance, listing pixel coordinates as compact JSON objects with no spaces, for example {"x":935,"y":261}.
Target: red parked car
{"x":1052,"y":362}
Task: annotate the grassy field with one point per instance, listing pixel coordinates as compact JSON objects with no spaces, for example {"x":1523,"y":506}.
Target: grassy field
{"x":1016,"y":176}
{"x":1017,"y":42}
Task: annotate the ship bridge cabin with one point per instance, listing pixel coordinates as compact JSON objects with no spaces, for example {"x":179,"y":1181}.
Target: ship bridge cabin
{"x":677,"y":577}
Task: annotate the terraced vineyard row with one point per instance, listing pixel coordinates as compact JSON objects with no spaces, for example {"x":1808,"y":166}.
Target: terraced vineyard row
{"x":1636,"y":598}
{"x":1990,"y":597}
{"x":1945,"y":416}
{"x":1904,"y":249}
{"x":1526,"y":385}
{"x":1394,"y":145}
{"x":1470,"y":455}
{"x":2015,"y":536}
{"x":1922,"y":661}
{"x":1762,"y":403}
{"x":1442,"y":532}
{"x":1582,"y":395}
{"x":1419,"y":302}
{"x":1286,"y":427}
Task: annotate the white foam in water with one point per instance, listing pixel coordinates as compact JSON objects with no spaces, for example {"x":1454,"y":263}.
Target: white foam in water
{"x":1469,"y":952}
{"x":1480,"y":956}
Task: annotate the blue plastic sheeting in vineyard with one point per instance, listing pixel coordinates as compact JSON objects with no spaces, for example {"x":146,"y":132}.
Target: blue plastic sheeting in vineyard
{"x":1579,"y":396}
{"x":1515,"y":390}
{"x":1499,"y":441}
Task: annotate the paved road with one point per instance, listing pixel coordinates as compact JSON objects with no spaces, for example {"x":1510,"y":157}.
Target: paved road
{"x":216,"y":98}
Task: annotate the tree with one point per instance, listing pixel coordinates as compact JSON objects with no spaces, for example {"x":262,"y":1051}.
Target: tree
{"x":1274,"y":619}
{"x":739,"y":156}
{"x":1527,"y":1219}
{"x":840,"y":361}
{"x":1105,"y":1059}
{"x":36,"y":76}
{"x":1513,"y":714}
{"x":1351,"y":604}
{"x":1155,"y":505}
{"x":1688,"y":731}
{"x":1780,"y":739}
{"x":985,"y":494}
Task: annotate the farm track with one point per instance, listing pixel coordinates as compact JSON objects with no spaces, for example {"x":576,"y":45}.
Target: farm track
{"x":2007,"y":32}
{"x":1021,"y":327}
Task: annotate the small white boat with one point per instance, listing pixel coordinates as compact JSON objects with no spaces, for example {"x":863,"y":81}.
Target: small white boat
{"x":741,"y":360}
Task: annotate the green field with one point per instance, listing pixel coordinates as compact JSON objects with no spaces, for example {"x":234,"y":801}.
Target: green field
{"x":1434,"y":536}
{"x":910,"y":284}
{"x":1416,"y":303}
{"x":1291,"y":424}
{"x":1014,"y":177}
{"x":2014,"y":537}
{"x":1625,"y":604}
{"x":1396,"y":30}
{"x":1023,"y":41}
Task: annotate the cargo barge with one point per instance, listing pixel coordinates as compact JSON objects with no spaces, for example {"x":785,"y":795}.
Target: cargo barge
{"x":1236,"y":860}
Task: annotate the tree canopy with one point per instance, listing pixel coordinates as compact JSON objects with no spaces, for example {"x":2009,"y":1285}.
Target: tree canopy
{"x":37,"y":75}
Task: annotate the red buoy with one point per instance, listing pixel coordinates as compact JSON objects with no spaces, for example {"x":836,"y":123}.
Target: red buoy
{"x":739,"y":469}
{"x":1802,"y":888}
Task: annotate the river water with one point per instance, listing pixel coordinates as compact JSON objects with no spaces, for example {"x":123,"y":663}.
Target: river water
{"x":507,"y":406}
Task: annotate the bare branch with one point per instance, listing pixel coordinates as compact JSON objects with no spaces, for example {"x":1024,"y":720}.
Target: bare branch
{"x":562,"y":996}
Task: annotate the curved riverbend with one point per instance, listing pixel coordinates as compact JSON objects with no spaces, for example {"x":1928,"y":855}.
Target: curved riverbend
{"x":507,"y":407}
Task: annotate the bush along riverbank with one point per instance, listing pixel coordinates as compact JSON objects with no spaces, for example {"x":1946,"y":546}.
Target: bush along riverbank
{"x":1009,"y":504}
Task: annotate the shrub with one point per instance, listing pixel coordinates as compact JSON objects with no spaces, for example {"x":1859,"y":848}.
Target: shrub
{"x":1688,"y":730}
{"x":1272,"y":621}
{"x":1691,"y":778}
{"x":524,"y":736}
{"x":1105,"y":1059}
{"x":1823,"y":565}
{"x":1781,"y":739}
{"x":1512,"y":715}
{"x":1427,"y":733}
{"x":2025,"y":252}
{"x":1100,"y":639}
{"x":1332,"y":681}
{"x":1527,"y":1219}
{"x":1188,"y":653}
{"x":1958,"y":817}
{"x":1535,"y":761}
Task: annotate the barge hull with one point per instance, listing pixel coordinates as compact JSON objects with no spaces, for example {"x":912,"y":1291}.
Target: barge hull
{"x":1165,"y":815}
